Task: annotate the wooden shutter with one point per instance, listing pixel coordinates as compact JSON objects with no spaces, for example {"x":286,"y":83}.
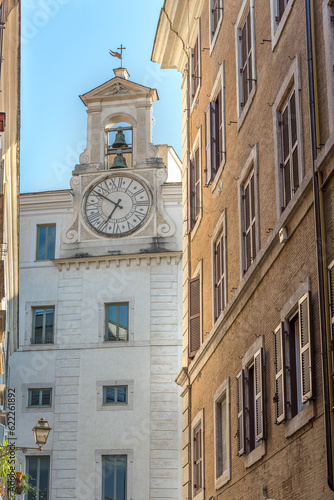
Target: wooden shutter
{"x":198,"y":459}
{"x":195,"y":68}
{"x":190,"y":195}
{"x":194,"y":315}
{"x":331,"y":302}
{"x":280,"y":379}
{"x":259,"y":394}
{"x":241,"y":412}
{"x":305,"y":347}
{"x":210,"y":147}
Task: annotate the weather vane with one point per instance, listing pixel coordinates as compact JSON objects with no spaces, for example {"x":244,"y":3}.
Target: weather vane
{"x":118,"y":54}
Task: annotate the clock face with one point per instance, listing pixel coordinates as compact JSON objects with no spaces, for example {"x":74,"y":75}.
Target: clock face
{"x":117,"y":205}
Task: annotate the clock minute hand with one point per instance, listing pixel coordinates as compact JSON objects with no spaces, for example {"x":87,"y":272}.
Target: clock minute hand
{"x":117,"y":205}
{"x":103,"y":196}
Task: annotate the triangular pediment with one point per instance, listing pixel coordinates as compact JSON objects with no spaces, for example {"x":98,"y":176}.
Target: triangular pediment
{"x":117,"y":88}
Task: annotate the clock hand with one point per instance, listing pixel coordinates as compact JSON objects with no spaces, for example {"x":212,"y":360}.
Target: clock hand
{"x":117,"y":205}
{"x":103,"y":196}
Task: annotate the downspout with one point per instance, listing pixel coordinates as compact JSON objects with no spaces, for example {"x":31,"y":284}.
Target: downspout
{"x":320,"y":239}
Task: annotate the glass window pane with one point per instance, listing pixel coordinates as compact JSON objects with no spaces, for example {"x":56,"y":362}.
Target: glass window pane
{"x":38,"y":333}
{"x":43,"y":492}
{"x":46,"y":397}
{"x":41,"y":240}
{"x":51,"y":242}
{"x":108,"y":478}
{"x":123,"y":322}
{"x":121,"y":478}
{"x":122,"y":394}
{"x":49,"y":318}
{"x":34,"y":397}
{"x":108,"y":395}
{"x":32,"y":472}
{"x":112,"y":322}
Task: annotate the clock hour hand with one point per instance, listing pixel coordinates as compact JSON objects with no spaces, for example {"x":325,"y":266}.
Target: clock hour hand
{"x":103,"y":196}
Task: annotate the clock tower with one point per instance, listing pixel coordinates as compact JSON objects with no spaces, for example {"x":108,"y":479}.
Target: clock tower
{"x":117,"y":185}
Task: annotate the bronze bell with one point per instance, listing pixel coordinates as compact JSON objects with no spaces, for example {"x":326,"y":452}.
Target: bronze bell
{"x":119,"y":161}
{"x":119,"y":140}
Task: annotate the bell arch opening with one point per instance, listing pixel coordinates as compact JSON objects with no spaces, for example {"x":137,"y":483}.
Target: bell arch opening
{"x":118,"y":145}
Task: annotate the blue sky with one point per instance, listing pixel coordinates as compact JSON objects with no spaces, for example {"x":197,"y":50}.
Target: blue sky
{"x":65,"y":52}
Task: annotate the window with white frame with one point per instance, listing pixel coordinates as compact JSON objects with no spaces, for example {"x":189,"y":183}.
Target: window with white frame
{"x":328,"y":34}
{"x":46,"y":239}
{"x":249,"y":220}
{"x":221,"y":412}
{"x":114,"y":395}
{"x":195,"y":65}
{"x":197,"y":452}
{"x":194,"y":187}
{"x":289,"y":148}
{"x":215,"y":18}
{"x":250,"y":403}
{"x":288,"y":137}
{"x":117,"y":322}
{"x":220,"y":267}
{"x":245,"y":50}
{"x":280,"y":10}
{"x":293,"y":360}
{"x":331,"y":300}
{"x":215,"y":154}
{"x":38,"y":469}
{"x":249,"y":210}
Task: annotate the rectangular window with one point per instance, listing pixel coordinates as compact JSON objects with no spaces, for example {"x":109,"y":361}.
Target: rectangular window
{"x":195,"y":68}
{"x":293,"y":362}
{"x":250,"y":401}
{"x":114,"y":477}
{"x":43,"y":325}
{"x":222,"y":434}
{"x":198,"y":459}
{"x":46,"y":237}
{"x":194,"y":315}
{"x":249,"y":221}
{"x":39,"y":397}
{"x":331,"y":300}
{"x":194,"y":189}
{"x":115,"y":395}
{"x":213,"y":137}
{"x":117,"y":322}
{"x":220,"y":274}
{"x":216,"y":16}
{"x":246,"y":60}
{"x":38,"y":468}
{"x":289,"y":149}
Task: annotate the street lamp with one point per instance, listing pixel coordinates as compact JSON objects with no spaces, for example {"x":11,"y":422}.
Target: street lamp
{"x":41,"y":432}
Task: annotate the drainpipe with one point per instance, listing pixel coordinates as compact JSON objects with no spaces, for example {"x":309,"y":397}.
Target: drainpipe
{"x":320,"y":239}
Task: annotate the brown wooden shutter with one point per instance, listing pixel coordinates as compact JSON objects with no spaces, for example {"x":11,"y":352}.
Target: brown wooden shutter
{"x":189,"y":197}
{"x":259,"y":394}
{"x":280,"y":379}
{"x":210,"y":146}
{"x":198,"y":459}
{"x":241,"y":412}
{"x":219,"y":131}
{"x":305,"y":347}
{"x":331,"y":302}
{"x":194,"y":315}
{"x":294,"y":147}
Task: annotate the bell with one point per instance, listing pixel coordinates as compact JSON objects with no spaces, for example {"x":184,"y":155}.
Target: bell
{"x":119,"y":140}
{"x":119,"y":161}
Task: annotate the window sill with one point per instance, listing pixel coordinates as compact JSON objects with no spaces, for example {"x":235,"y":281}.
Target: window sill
{"x":199,"y":496}
{"x":38,"y":408}
{"x":255,"y":455}
{"x":115,"y":407}
{"x":218,"y":174}
{"x":245,"y":110}
{"x":301,"y":419}
{"x":222,"y":480}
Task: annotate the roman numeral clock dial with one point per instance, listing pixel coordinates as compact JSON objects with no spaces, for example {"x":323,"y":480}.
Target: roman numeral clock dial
{"x":117,"y":205}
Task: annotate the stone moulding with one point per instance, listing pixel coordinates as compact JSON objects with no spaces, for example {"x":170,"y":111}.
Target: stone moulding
{"x":129,"y":260}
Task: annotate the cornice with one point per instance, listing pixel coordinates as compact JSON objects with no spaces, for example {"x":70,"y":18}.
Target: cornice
{"x":107,"y":261}
{"x":45,"y":201}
